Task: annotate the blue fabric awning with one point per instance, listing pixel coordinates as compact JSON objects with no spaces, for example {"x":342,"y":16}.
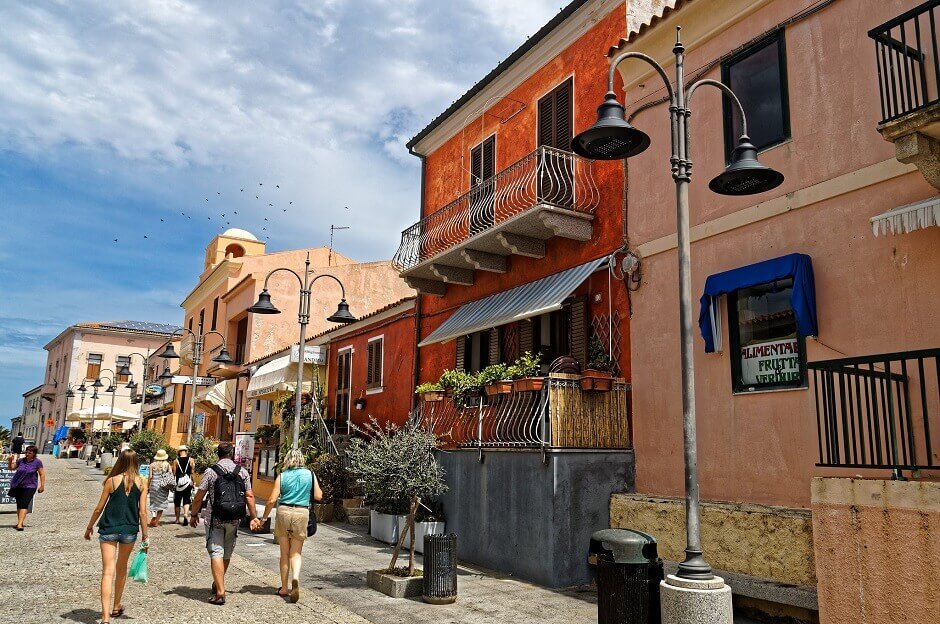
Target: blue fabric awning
{"x":61,"y":433}
{"x":803,"y":299}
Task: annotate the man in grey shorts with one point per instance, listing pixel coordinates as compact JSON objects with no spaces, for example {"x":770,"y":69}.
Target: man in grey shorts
{"x":220,"y":534}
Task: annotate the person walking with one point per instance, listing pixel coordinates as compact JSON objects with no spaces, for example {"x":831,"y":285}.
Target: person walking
{"x":120,"y":517}
{"x":183,"y":471}
{"x":29,"y":478}
{"x":227,"y":488}
{"x":16,"y":445}
{"x":159,"y":482}
{"x":291,"y":492}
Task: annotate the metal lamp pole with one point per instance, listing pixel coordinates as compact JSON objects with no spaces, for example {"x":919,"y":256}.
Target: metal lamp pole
{"x":125,"y":370}
{"x":613,"y":138}
{"x":342,"y":315}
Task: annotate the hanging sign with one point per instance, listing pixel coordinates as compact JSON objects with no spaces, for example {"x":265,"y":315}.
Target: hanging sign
{"x":155,"y":391}
{"x":771,"y":362}
{"x":200,"y":381}
{"x":312,"y":355}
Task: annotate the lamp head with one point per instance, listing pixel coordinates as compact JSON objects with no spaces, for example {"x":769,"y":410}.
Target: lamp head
{"x":170,"y":353}
{"x":611,"y":137}
{"x":111,"y":388}
{"x":264,"y":305}
{"x":745,"y":175}
{"x":123,"y":370}
{"x":166,"y":374}
{"x":131,"y":385}
{"x":223,"y":357}
{"x":94,"y":394}
{"x":342,"y":314}
{"x":69,"y":394}
{"x":97,"y":383}
{"x":82,"y":388}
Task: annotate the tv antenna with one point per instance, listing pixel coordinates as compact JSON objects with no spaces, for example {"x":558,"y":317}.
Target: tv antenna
{"x":333,"y":228}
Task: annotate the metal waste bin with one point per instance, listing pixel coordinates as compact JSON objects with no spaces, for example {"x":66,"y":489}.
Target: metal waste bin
{"x":440,"y":569}
{"x":628,"y":574}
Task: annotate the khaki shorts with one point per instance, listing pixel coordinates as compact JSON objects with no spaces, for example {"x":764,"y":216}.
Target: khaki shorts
{"x":291,"y":522}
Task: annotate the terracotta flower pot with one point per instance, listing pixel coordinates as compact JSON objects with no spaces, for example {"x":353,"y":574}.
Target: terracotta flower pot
{"x":528,"y":384}
{"x":498,"y":387}
{"x":596,"y":381}
{"x":433,"y":396}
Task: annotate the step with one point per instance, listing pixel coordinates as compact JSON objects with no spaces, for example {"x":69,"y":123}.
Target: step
{"x":358,"y":512}
{"x":358,"y":520}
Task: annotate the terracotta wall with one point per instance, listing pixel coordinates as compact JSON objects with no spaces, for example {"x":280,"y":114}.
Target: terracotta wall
{"x":877,"y":552}
{"x":447,"y":176}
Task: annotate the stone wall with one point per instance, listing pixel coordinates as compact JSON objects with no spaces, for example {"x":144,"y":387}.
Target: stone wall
{"x":769,"y":542}
{"x":877,"y":550}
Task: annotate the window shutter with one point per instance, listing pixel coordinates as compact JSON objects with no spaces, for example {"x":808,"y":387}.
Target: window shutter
{"x":579,"y":334}
{"x":488,"y":158}
{"x":461,"y":351}
{"x":495,"y":355}
{"x":476,"y":165}
{"x":546,"y":120}
{"x":525,"y":336}
{"x":562,"y":130}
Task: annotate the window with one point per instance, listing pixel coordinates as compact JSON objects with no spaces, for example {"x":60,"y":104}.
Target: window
{"x":343,"y":384}
{"x":182,"y":423}
{"x":758,"y":76}
{"x":189,"y":325}
{"x":767,"y":352}
{"x":123,"y":360}
{"x":550,"y":335}
{"x":94,"y":366}
{"x":267,"y":462}
{"x":215,"y":312}
{"x":482,"y":187}
{"x":554,"y":117}
{"x":474,"y":353}
{"x":374,"y":363}
{"x":202,"y":318}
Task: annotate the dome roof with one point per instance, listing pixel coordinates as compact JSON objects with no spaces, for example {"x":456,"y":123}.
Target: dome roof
{"x":237,"y":233}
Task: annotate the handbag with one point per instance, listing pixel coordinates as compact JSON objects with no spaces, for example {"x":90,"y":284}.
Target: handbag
{"x":312,"y":520}
{"x":138,"y":571}
{"x":165,"y":480}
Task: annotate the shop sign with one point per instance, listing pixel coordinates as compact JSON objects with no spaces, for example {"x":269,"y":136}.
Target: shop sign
{"x":200,"y":381}
{"x":155,"y":391}
{"x":312,"y":355}
{"x":771,"y":362}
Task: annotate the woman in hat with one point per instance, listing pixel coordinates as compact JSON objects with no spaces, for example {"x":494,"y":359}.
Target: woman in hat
{"x":160,"y":482}
{"x":183,"y":496}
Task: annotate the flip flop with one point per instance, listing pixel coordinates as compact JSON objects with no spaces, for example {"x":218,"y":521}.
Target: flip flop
{"x":20,"y":528}
{"x":278,"y":592}
{"x":117,"y":612}
{"x":217,"y":600}
{"x":295,"y":591}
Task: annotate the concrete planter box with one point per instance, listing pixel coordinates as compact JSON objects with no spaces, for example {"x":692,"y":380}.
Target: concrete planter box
{"x":386,"y":527}
{"x":422,"y":529}
{"x":395,"y":586}
{"x":107,"y":461}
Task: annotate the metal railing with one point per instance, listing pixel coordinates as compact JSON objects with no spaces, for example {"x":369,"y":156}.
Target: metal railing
{"x":547,"y":176}
{"x":560,"y":415}
{"x":878,"y":411}
{"x":906,"y":56}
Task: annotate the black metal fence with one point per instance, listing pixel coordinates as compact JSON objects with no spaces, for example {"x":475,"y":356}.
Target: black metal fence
{"x":906,"y":55}
{"x":879,"y":411}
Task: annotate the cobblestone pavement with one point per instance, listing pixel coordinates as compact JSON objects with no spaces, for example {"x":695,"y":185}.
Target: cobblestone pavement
{"x":50,"y":574}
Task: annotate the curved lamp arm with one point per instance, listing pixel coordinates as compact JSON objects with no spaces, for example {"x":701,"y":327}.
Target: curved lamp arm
{"x":726,"y":90}
{"x":342,"y":288}
{"x":212,"y":331}
{"x":291,"y":271}
{"x":643,"y":57}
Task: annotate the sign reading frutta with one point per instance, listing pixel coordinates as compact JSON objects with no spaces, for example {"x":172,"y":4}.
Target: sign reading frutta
{"x":771,"y":362}
{"x":200,"y":381}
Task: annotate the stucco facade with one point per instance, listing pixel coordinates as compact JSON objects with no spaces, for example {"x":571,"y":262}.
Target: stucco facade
{"x":30,"y":421}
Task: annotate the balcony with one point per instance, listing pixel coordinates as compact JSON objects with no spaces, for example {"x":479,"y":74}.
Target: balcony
{"x":547,"y":193}
{"x":560,"y":415}
{"x":879,"y":411}
{"x":226,"y":371}
{"x":908,"y":79}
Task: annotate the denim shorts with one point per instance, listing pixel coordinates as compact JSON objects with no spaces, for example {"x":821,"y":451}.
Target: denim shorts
{"x":124,"y":538}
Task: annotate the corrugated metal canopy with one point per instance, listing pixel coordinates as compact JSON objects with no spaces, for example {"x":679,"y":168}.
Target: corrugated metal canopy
{"x":518,"y":303}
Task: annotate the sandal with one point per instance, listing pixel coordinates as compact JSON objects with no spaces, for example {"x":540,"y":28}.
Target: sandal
{"x":295,"y":591}
{"x":117,"y":612}
{"x":278,"y":592}
{"x":217,"y":600}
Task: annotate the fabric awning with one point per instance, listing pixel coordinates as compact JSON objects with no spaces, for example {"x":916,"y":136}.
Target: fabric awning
{"x":222,"y":394}
{"x":515,"y":304}
{"x":803,"y":299}
{"x":908,"y":218}
{"x":277,"y":377}
{"x":101,"y":412}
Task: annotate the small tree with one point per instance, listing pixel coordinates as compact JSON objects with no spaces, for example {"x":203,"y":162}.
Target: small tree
{"x":397,"y":465}
{"x":145,"y":443}
{"x":202,"y":450}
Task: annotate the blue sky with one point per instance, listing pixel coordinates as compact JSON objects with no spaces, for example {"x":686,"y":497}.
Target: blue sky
{"x":117,"y":117}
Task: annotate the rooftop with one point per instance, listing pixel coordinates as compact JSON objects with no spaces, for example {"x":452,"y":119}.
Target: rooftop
{"x":139,"y":326}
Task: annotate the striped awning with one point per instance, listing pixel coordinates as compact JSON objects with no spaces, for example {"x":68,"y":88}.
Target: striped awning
{"x":908,"y":218}
{"x":521,"y":302}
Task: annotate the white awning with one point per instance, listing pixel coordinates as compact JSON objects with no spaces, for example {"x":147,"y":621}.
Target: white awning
{"x":222,"y":394}
{"x":101,"y":412}
{"x":278,"y":377}
{"x":908,"y":218}
{"x":515,"y":304}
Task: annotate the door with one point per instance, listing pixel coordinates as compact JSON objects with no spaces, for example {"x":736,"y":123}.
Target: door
{"x":555,"y":163}
{"x":482,"y":186}
{"x":343,"y":385}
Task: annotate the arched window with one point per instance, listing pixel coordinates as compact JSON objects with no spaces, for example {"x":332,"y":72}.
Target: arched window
{"x":235,"y":251}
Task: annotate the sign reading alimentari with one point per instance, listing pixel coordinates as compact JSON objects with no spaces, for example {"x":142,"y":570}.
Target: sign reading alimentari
{"x":771,"y":362}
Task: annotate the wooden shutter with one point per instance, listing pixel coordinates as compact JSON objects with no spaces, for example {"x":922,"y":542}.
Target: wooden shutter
{"x":525,"y":336}
{"x":461,"y":353}
{"x":476,"y":165}
{"x":488,"y":164}
{"x":495,"y":355}
{"x":374,"y":364}
{"x":579,"y":330}
{"x":554,"y":117}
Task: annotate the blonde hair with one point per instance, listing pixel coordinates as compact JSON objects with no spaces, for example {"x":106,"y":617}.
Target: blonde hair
{"x":161,"y":466}
{"x":294,"y":459}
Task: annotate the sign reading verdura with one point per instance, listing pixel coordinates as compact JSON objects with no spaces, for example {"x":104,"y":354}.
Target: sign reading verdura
{"x":771,"y":362}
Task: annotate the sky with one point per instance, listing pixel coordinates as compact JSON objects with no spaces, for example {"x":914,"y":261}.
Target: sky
{"x":128,"y":129}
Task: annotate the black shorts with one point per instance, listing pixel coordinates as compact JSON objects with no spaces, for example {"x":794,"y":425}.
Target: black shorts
{"x":184,"y":497}
{"x":24,"y":497}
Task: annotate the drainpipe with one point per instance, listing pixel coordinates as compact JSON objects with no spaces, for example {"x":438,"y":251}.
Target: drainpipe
{"x":417,"y":353}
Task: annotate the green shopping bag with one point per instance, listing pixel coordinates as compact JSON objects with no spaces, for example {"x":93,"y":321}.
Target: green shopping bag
{"x":139,"y":567}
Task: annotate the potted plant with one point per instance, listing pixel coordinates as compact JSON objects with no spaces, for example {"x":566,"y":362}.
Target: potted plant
{"x":429,"y":520}
{"x":430,"y":392}
{"x":397,"y":464}
{"x":494,"y":379}
{"x":524,"y":373}
{"x":461,"y":386}
{"x":266,"y":434}
{"x":332,"y":476}
{"x":598,"y":376}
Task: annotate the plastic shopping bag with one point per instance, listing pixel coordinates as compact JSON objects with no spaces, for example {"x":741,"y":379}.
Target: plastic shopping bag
{"x":139,"y":567}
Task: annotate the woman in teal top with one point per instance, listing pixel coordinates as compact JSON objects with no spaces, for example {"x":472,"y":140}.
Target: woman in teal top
{"x":120,"y":517}
{"x":292,"y":491}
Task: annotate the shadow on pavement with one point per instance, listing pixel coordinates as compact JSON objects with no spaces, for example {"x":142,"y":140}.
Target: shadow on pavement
{"x":258,"y":590}
{"x":85,"y":616}
{"x":199,"y":594}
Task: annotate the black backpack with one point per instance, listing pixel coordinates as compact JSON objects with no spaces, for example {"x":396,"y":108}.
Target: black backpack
{"x":228,"y":495}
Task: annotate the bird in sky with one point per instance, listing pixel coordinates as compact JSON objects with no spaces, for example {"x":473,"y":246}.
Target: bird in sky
{"x":277,"y":186}
{"x":115,"y":240}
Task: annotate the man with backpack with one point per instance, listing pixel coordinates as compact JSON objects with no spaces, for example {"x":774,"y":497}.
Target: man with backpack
{"x":227,"y":487}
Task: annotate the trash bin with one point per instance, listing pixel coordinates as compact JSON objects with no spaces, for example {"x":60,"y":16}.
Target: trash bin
{"x":628,"y":574}
{"x":440,"y":569}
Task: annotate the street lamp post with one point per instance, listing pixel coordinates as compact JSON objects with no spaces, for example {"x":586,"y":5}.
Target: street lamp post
{"x":112,"y":389}
{"x":70,"y":393}
{"x":613,"y":138}
{"x":342,"y":315}
{"x":198,"y":343}
{"x":124,"y":369}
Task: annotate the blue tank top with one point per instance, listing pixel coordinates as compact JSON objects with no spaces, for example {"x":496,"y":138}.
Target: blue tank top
{"x":295,"y":486}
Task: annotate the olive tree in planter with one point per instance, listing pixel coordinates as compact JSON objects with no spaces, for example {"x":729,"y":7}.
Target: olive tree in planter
{"x":395,"y":465}
{"x":332,"y":477}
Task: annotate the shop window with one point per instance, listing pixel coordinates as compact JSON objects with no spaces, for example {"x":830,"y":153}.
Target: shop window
{"x":267,"y":462}
{"x":758,"y":76}
{"x":94,"y":366}
{"x":374,"y":363}
{"x":767,"y":351}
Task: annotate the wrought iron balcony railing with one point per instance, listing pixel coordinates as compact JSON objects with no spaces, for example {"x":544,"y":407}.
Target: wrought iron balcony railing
{"x":560,"y":415}
{"x":906,"y":56}
{"x":879,"y":411}
{"x":547,"y":176}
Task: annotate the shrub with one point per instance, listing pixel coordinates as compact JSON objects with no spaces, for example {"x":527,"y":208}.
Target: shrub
{"x":111,"y":442}
{"x":145,"y":443}
{"x":527,"y":365}
{"x":332,"y":476}
{"x":77,"y":434}
{"x":202,"y":450}
{"x":598,"y":358}
{"x":428,"y":387}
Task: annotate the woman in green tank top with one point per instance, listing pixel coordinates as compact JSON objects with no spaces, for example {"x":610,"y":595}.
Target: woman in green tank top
{"x":292,"y":492}
{"x":120,"y":517}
